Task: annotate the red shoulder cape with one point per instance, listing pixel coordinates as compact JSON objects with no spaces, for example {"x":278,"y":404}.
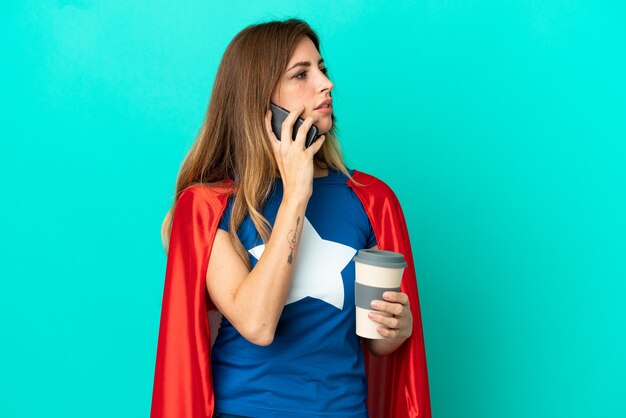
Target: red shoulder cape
{"x":183,"y":385}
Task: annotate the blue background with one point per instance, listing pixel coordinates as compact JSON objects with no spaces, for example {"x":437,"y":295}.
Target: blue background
{"x":499,"y":124}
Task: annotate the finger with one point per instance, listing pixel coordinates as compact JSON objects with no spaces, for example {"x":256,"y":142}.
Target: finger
{"x":303,"y":130}
{"x":388,"y":321}
{"x":287,"y":128}
{"x":397,"y":297}
{"x":388,"y":333}
{"x":388,"y":307}
{"x":317,"y":145}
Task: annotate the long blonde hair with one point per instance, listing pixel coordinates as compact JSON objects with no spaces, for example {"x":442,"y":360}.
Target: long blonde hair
{"x":233,"y":143}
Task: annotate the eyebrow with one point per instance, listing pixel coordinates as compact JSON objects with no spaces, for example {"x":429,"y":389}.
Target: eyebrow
{"x":305,"y":64}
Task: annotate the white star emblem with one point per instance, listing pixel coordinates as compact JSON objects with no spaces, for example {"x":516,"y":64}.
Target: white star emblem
{"x":317,"y":269}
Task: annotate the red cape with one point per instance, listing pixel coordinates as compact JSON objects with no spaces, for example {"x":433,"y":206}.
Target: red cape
{"x":183,"y":384}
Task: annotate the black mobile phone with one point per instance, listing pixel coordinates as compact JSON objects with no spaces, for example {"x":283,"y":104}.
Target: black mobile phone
{"x":278,"y":117}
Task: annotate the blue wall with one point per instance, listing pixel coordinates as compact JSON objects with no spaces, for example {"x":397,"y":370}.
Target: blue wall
{"x":500,"y":125}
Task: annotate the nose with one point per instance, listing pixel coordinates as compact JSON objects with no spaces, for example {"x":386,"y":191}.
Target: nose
{"x":326,"y":84}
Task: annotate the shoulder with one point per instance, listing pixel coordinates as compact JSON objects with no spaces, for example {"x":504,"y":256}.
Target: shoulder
{"x":372,"y":184}
{"x":202,"y":197}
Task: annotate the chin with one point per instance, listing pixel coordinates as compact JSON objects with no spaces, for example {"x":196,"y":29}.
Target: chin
{"x":323,"y":128}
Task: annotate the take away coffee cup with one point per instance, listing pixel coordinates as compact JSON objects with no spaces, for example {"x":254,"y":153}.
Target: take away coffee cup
{"x":377,"y":271}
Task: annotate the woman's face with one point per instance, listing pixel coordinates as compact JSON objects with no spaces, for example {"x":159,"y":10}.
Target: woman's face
{"x":305,"y":83}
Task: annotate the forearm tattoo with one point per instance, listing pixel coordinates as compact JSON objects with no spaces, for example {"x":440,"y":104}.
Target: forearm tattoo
{"x":292,"y":239}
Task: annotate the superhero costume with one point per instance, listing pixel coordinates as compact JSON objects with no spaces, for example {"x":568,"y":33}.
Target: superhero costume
{"x":315,"y":365}
{"x":183,"y":386}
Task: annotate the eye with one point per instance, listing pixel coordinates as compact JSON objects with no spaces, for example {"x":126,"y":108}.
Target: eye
{"x":302,"y":74}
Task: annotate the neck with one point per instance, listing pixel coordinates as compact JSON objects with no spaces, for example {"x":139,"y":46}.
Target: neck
{"x":320,"y":172}
{"x":317,"y":172}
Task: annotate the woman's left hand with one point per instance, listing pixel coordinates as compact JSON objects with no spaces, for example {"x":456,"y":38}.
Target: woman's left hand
{"x":399,"y":322}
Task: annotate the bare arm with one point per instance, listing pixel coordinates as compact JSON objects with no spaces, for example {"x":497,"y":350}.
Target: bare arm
{"x":253,"y":300}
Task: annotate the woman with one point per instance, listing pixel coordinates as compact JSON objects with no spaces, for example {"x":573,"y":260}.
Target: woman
{"x":286,"y":345}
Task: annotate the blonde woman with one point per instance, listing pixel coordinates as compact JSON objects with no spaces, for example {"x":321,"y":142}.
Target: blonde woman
{"x":262,"y":233}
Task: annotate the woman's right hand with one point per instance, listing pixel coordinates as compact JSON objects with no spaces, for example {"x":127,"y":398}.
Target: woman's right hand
{"x":295,"y":162}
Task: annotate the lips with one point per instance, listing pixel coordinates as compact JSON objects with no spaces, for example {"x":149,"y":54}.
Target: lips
{"x":325,"y":102}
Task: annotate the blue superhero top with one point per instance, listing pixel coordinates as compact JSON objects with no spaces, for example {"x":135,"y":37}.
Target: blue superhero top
{"x":314,"y":366}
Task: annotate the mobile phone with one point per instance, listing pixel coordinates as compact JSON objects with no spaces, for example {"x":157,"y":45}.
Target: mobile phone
{"x":278,"y":117}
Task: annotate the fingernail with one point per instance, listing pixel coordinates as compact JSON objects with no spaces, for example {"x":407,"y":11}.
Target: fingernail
{"x":375,"y":304}
{"x":386,"y":295}
{"x":371,"y":315}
